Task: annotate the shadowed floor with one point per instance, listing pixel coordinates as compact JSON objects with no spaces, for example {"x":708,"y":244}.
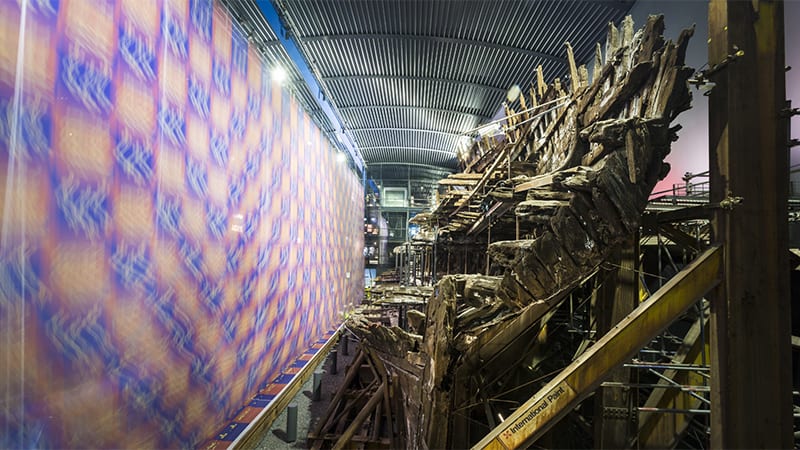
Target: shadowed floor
{"x":309,"y":412}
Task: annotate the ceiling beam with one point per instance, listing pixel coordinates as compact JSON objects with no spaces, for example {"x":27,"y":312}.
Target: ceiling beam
{"x":487,"y":87}
{"x":415,"y":130}
{"x":437,"y":39}
{"x":414,"y":108}
{"x":419,"y":165}
{"x":386,"y":170}
{"x":447,"y":166}
{"x":416,"y":149}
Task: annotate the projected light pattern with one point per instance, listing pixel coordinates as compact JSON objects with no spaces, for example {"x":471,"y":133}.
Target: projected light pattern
{"x":175,"y":229}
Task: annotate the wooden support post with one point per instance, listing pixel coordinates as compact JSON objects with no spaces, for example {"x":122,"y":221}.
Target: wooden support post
{"x":488,"y":243}
{"x":612,"y":428}
{"x":399,"y":265}
{"x":408,"y":264}
{"x":750,"y":336}
{"x":327,"y":421}
{"x":435,"y":273}
{"x":355,"y":425}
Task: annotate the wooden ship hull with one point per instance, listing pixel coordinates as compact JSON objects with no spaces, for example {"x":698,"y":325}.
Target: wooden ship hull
{"x":566,"y":187}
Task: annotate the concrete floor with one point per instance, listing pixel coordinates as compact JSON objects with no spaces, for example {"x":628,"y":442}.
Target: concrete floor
{"x":309,"y":412}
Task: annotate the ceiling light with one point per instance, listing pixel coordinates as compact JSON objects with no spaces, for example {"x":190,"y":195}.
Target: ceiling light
{"x":513,"y":93}
{"x":279,"y":74}
{"x":340,"y":157}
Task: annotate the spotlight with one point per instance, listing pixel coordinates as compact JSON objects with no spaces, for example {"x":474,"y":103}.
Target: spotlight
{"x":279,"y":74}
{"x":513,"y":93}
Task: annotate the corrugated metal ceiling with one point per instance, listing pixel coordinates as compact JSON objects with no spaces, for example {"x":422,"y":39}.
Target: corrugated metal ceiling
{"x":408,"y":77}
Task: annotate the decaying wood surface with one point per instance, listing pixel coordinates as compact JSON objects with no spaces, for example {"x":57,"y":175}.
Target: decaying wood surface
{"x":569,"y":182}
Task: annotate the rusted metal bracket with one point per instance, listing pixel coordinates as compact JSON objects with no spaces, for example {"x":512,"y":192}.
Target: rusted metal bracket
{"x":610,"y":412}
{"x":730,"y":202}
{"x":789,"y":112}
{"x":703,"y":81}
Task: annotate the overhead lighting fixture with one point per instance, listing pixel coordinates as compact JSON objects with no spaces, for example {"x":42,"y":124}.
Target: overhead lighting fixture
{"x":513,"y":93}
{"x":340,"y":157}
{"x":279,"y":74}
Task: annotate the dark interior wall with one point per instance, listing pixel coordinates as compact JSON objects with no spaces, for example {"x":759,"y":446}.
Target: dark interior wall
{"x":175,"y":229}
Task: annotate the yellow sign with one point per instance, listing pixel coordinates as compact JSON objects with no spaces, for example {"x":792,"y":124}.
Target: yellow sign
{"x":521,"y":426}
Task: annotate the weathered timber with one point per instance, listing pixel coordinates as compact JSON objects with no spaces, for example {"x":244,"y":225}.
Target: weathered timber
{"x":572,"y":177}
{"x":457,"y":182}
{"x":416,"y":319}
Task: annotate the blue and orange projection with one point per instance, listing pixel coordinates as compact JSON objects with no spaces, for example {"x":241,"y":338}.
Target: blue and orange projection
{"x":176,"y":231}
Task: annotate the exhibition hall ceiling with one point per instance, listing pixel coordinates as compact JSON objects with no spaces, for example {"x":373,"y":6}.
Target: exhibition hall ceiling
{"x":409,"y":78}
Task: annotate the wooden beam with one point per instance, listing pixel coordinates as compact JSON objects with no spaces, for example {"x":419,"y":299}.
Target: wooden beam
{"x":501,"y":157}
{"x":457,"y":182}
{"x":535,"y":182}
{"x":326,"y":421}
{"x":465,"y":176}
{"x":578,"y":380}
{"x":252,"y":435}
{"x":750,"y":347}
{"x":612,"y":431}
{"x":360,"y":418}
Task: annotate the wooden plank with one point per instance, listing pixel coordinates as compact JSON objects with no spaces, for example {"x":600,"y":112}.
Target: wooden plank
{"x":497,"y":210}
{"x":573,"y":69}
{"x":457,"y":182}
{"x":486,"y":176}
{"x":465,"y":176}
{"x":541,"y":86}
{"x":536,"y":182}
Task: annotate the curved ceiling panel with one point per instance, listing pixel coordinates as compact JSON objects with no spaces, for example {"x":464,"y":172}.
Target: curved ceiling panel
{"x":525,"y":24}
{"x":441,"y":94}
{"x":411,"y":118}
{"x":379,"y":56}
{"x":409,"y":155}
{"x":407,"y":139}
{"x":408,"y":77}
